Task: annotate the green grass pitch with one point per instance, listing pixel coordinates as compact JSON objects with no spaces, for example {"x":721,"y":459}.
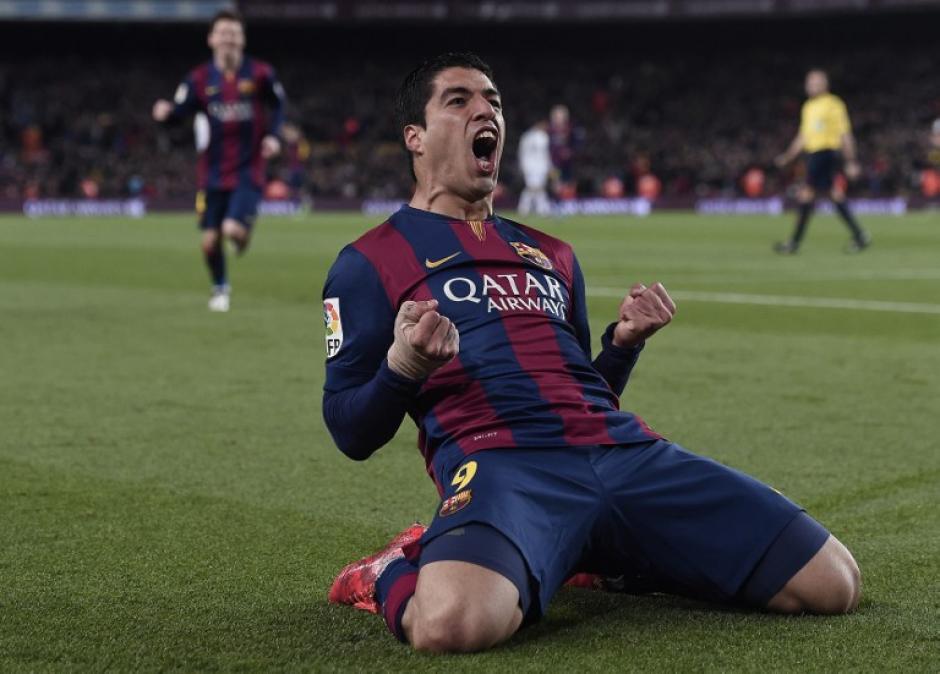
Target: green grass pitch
{"x":170,"y":498}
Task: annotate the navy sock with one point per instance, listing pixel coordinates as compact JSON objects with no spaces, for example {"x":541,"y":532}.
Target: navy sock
{"x":802,"y":219}
{"x":850,"y":221}
{"x":393,"y":590}
{"x":215,"y":261}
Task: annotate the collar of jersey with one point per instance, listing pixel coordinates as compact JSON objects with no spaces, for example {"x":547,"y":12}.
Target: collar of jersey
{"x":417,"y":212}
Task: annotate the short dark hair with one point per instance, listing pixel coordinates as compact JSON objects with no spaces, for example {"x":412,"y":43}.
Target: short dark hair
{"x":226,"y":15}
{"x":418,"y":87}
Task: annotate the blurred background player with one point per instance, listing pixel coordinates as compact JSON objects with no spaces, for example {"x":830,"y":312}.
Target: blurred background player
{"x":296,"y":153}
{"x":243,"y":103}
{"x":825,"y":135}
{"x":561,"y":145}
{"x":535,"y":160}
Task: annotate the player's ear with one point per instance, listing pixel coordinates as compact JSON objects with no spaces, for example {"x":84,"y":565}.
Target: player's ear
{"x":414,"y":138}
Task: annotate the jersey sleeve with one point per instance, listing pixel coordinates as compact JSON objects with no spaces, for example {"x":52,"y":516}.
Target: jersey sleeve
{"x":359,"y":321}
{"x":842,"y":118}
{"x":364,"y":401}
{"x":272,"y":91}
{"x":579,"y":315}
{"x":613,"y":363}
{"x":804,"y":121}
{"x":185,"y":101}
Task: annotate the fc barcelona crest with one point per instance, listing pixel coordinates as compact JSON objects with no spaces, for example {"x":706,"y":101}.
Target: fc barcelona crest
{"x":458,"y":501}
{"x":533,"y":255}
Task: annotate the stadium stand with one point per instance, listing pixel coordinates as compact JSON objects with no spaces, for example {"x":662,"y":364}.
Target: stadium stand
{"x":75,"y":122}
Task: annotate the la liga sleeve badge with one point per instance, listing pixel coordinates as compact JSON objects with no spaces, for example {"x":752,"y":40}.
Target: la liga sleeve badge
{"x":334,"y":326}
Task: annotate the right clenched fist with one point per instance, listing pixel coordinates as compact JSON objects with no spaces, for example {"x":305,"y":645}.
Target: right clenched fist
{"x":424,"y":340}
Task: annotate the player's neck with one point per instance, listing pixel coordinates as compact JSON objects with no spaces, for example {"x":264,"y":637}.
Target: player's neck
{"x":452,"y":205}
{"x":228,"y":66}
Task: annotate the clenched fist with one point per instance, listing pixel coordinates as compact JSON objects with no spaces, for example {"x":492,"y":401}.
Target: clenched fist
{"x":643,"y":312}
{"x":424,"y":340}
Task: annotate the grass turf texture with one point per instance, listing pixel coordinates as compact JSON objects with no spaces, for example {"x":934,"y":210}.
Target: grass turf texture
{"x":171,"y":500}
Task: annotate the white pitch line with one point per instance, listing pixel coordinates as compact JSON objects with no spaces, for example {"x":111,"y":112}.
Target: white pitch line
{"x":786,"y":301}
{"x":862,"y":275}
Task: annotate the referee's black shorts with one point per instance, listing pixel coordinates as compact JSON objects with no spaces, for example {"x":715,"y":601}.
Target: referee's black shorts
{"x":821,"y":169}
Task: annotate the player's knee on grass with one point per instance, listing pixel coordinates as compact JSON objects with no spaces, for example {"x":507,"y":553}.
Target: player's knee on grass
{"x":829,"y":584}
{"x":460,"y":607}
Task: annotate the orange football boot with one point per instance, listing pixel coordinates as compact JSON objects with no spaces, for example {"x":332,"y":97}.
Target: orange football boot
{"x":355,"y":584}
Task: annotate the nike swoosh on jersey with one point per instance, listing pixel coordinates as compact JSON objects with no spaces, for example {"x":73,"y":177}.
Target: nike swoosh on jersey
{"x":437,"y":263}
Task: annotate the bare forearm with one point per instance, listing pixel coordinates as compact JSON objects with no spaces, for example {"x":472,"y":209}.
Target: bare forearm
{"x":796,"y":146}
{"x":848,"y":147}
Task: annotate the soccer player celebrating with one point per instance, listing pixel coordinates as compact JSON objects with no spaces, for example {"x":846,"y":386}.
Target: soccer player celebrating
{"x":477,"y":327}
{"x":825,"y":135}
{"x":244,"y":104}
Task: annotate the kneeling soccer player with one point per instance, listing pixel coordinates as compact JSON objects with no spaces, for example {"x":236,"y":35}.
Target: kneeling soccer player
{"x":476,"y":326}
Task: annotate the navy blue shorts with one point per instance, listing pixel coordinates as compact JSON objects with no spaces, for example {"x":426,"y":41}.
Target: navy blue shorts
{"x":821,"y":169}
{"x":215,"y":206}
{"x":652,"y":511}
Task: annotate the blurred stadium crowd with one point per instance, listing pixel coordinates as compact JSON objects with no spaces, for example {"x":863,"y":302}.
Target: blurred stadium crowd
{"x":73,"y":127}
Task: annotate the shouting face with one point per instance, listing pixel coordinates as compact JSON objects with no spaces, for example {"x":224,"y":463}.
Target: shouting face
{"x":459,"y":148}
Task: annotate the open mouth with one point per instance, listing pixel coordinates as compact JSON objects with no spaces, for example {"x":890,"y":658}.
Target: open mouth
{"x":484,"y":150}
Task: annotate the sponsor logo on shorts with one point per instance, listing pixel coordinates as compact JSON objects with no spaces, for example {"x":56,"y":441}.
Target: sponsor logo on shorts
{"x":334,"y":326}
{"x":533,"y":255}
{"x":456,"y":503}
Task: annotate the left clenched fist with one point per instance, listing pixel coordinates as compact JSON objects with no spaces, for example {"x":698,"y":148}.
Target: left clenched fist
{"x":643,"y":312}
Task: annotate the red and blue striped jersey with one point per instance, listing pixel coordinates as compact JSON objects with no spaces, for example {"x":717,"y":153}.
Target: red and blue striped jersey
{"x":242,"y":108}
{"x":524,"y":375}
